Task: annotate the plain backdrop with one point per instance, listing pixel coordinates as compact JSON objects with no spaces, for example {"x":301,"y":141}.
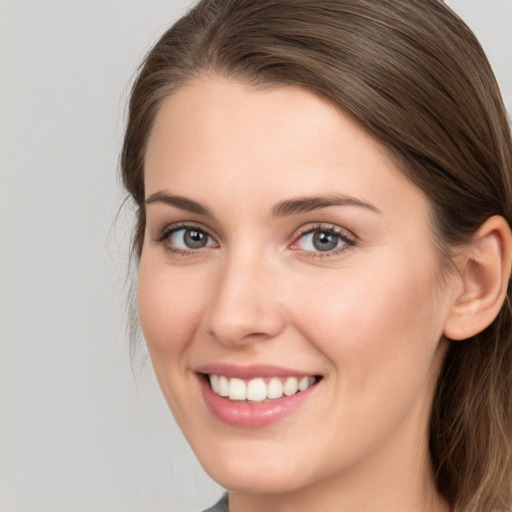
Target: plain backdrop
{"x":80,"y":432}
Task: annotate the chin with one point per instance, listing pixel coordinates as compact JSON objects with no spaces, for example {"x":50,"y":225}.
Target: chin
{"x":256,"y":481}
{"x":255,"y":474}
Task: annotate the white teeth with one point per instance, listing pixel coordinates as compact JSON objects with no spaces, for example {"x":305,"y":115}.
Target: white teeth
{"x":274,"y":388}
{"x":223,"y":386}
{"x":304,"y":383}
{"x":214,"y":381}
{"x":237,"y":389}
{"x":258,"y":390}
{"x":291,"y":386}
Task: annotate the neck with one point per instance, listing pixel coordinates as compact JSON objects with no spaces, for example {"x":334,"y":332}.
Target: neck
{"x":348,"y":493}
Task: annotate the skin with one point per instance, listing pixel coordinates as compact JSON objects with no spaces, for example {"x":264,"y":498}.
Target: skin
{"x":368,"y":316}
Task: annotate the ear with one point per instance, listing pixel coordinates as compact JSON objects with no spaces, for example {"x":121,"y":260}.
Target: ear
{"x":484,"y":266}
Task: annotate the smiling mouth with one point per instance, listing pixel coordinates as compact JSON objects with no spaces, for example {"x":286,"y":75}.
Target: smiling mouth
{"x":259,"y":389}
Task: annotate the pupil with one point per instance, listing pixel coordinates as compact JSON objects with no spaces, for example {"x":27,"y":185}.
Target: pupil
{"x":324,"y":241}
{"x":194,"y":239}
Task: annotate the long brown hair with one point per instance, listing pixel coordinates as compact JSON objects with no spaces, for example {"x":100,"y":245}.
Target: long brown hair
{"x":414,"y":75}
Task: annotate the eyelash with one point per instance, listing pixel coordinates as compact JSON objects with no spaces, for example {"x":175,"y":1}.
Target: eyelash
{"x":347,"y":239}
{"x":170,"y":230}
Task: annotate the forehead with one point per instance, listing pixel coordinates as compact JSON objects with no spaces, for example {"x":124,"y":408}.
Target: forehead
{"x":219,"y":136}
{"x":232,"y":110}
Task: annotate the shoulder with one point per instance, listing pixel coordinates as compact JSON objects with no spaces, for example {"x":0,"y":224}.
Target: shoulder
{"x":220,"y":506}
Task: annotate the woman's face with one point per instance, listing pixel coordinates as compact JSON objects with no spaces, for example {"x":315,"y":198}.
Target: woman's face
{"x":284,"y":248}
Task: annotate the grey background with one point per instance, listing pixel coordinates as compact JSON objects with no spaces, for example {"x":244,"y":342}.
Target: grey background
{"x":78,"y":431}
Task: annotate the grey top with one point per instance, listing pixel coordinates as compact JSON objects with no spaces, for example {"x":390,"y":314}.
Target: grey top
{"x":220,"y":506}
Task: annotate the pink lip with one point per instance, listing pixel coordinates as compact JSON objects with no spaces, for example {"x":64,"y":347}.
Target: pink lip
{"x":246,"y":414}
{"x":249,"y":372}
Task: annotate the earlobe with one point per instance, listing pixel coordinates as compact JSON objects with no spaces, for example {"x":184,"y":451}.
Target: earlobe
{"x":484,"y":266}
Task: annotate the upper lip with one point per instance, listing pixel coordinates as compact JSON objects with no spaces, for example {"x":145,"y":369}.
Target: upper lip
{"x":250,"y":371}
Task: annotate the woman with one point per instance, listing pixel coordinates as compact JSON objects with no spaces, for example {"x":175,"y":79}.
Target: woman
{"x":324,"y":250}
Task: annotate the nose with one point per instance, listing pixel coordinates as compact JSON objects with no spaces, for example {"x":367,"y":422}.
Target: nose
{"x":245,"y":306}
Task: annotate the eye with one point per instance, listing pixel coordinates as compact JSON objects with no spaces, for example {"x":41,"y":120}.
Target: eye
{"x":323,"y":239}
{"x":189,"y":238}
{"x":185,"y":238}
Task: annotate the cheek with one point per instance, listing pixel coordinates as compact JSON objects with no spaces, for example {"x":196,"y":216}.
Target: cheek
{"x":170,"y":305}
{"x":379,"y":325}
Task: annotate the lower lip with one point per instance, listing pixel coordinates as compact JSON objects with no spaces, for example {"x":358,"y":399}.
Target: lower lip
{"x":255,"y":414}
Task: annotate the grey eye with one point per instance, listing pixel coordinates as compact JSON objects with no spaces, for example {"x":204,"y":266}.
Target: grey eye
{"x":320,"y":240}
{"x":189,"y":238}
{"x":195,"y":239}
{"x":325,"y":241}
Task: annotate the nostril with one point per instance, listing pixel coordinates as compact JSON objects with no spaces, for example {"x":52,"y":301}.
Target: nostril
{"x":235,"y":319}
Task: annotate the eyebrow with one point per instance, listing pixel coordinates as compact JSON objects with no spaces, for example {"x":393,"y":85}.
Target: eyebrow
{"x":283,"y":209}
{"x":308,"y":204}
{"x":180,"y":202}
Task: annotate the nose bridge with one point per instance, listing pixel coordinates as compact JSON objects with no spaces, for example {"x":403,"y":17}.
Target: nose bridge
{"x":245,"y":305}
